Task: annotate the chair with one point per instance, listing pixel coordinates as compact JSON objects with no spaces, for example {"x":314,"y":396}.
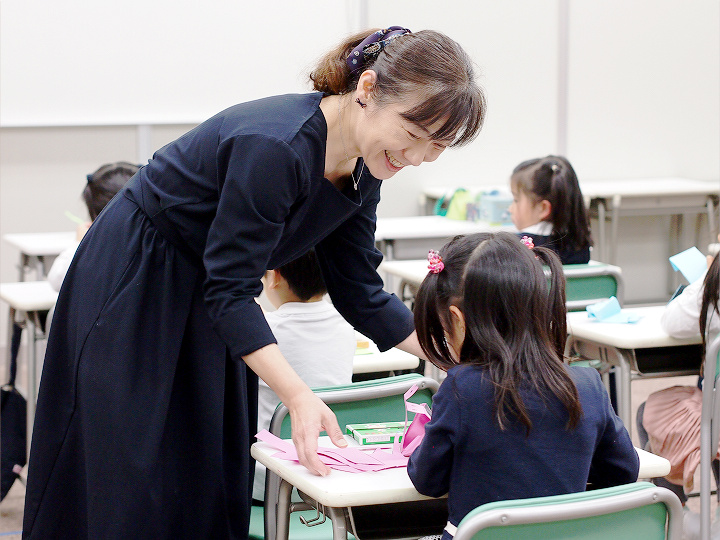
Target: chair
{"x":589,"y":283}
{"x":368,"y":401}
{"x":709,"y":432}
{"x":627,"y":512}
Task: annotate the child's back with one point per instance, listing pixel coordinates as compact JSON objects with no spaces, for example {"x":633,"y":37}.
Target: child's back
{"x":511,"y":420}
{"x":484,"y":463}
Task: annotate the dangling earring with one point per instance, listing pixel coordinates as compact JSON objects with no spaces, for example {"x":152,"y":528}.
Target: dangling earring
{"x":363,"y":105}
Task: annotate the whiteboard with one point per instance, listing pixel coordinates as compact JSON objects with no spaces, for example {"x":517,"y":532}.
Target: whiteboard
{"x":82,"y":62}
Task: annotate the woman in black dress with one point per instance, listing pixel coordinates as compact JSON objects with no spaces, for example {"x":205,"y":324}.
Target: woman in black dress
{"x":146,"y":410}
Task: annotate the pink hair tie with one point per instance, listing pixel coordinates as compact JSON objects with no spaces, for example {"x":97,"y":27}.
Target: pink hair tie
{"x":435,"y":262}
{"x":528,"y":242}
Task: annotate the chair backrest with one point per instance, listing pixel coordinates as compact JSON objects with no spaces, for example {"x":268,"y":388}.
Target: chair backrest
{"x":378,"y":400}
{"x":589,"y":283}
{"x":627,"y":512}
{"x":709,"y":431}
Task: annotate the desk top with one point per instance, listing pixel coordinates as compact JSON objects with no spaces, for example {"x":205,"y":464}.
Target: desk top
{"x":629,"y":187}
{"x":644,"y":187}
{"x":411,"y":270}
{"x":41,"y":244}
{"x":343,"y":489}
{"x":396,"y":228}
{"x":29,"y":295}
{"x":390,"y":360}
{"x":642,"y":334}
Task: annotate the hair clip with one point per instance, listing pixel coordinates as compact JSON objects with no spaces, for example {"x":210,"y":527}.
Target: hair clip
{"x":555,"y":167}
{"x":435,"y":262}
{"x":528,"y":242}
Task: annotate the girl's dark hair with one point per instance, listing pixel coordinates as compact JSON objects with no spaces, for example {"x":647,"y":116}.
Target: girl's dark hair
{"x":435,"y":295}
{"x":103,"y":184}
{"x":427,"y":65}
{"x":304,"y":276}
{"x":513,"y":300}
{"x":711,"y":289}
{"x":552,"y":178}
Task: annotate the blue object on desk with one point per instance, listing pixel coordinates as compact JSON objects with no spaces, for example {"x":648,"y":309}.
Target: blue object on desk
{"x":691,"y":263}
{"x":494,"y":208}
{"x":609,"y":311}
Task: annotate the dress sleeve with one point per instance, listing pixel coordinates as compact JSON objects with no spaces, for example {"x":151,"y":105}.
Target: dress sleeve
{"x":259,"y":179}
{"x":615,"y":460}
{"x":430,"y":465}
{"x":349,"y":261}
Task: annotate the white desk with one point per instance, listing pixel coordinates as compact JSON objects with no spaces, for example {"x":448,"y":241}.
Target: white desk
{"x":390,"y":360}
{"x":428,"y":232}
{"x":641,"y":349}
{"x":28,"y":299}
{"x":35,"y":247}
{"x":340,"y":490}
{"x":649,"y":197}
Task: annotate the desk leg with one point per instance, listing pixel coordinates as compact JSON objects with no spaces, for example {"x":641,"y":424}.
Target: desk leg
{"x":615,"y":220}
{"x":31,"y":376}
{"x":283,"y":510}
{"x":339,"y":523}
{"x":601,"y":230}
{"x":622,"y":383}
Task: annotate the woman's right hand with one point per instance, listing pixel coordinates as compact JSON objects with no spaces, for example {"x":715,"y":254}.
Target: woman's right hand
{"x":308,"y":413}
{"x":309,"y":416}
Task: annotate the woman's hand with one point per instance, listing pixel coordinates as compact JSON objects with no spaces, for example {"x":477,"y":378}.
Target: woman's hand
{"x":309,"y":416}
{"x":308,"y":413}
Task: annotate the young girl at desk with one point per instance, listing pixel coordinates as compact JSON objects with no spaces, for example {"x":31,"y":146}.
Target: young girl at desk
{"x":669,"y":421}
{"x":548,"y":207}
{"x":511,"y":420}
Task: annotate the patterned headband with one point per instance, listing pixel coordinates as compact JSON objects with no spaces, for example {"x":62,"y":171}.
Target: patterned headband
{"x":371,"y":46}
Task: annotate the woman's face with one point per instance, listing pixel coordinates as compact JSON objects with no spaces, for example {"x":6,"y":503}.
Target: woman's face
{"x":388,"y":142}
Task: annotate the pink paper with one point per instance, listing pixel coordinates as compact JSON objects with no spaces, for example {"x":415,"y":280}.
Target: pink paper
{"x":342,"y":459}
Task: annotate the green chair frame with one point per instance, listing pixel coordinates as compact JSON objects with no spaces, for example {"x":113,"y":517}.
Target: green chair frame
{"x":627,"y":512}
{"x":709,"y":432}
{"x":589,"y":283}
{"x":367,"y":401}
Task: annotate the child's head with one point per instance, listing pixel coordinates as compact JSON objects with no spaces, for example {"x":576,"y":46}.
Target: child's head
{"x":297,"y":281}
{"x":496,"y":288}
{"x":103,"y":184}
{"x":547,"y":189}
{"x":499,"y":305}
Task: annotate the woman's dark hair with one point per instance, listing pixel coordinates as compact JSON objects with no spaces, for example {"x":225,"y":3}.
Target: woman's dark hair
{"x":552,"y":178}
{"x":304,"y":276}
{"x":103,"y":184}
{"x":711,"y":289}
{"x":426,"y":65}
{"x":513,"y":300}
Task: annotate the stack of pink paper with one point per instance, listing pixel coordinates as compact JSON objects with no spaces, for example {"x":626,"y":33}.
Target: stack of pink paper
{"x":349,"y":459}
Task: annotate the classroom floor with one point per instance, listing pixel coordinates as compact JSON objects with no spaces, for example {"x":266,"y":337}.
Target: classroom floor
{"x":11,"y":508}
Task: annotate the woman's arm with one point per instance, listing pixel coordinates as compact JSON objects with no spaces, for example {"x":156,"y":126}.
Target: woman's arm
{"x":308,"y":414}
{"x":412,"y":345}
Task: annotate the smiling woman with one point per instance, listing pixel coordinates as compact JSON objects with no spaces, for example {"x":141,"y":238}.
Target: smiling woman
{"x":407,"y":97}
{"x":147,"y":406}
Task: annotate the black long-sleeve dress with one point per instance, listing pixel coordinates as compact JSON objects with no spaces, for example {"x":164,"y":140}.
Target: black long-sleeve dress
{"x":146,"y":411}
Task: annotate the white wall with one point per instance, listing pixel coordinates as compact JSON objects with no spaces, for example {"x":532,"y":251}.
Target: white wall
{"x":642,"y":93}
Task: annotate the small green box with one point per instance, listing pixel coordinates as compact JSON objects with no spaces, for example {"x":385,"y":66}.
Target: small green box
{"x":376,"y":432}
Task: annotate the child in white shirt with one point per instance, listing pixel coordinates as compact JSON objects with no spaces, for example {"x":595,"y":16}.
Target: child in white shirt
{"x":314,"y":338}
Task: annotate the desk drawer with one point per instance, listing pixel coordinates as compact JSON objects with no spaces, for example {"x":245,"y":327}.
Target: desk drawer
{"x":681,"y":358}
